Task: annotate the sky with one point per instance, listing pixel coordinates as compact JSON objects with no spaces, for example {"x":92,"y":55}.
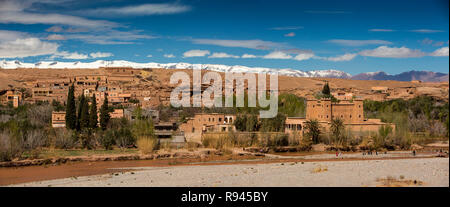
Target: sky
{"x":349,"y":35}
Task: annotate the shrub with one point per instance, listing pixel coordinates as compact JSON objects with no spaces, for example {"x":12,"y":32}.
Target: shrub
{"x":208,"y":141}
{"x":125,"y":138}
{"x":9,"y":147}
{"x":147,"y":144}
{"x":108,"y":139}
{"x":65,"y":138}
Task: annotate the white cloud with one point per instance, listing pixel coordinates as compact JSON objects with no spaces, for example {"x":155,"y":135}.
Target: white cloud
{"x":248,"y":56}
{"x":139,"y":10}
{"x":196,"y":53}
{"x":69,"y":55}
{"x":290,"y":34}
{"x":8,"y":35}
{"x":392,"y":52}
{"x":16,"y":12}
{"x":428,"y":41}
{"x":101,"y":54}
{"x":222,"y":55}
{"x":26,"y":47}
{"x":426,"y":31}
{"x":54,"y":29}
{"x":149,"y":56}
{"x":287,"y":28}
{"x":381,"y":30}
{"x":55,"y":37}
{"x":440,"y":52}
{"x":304,"y":56}
{"x":345,"y":57}
{"x":252,"y":44}
{"x":277,"y":55}
{"x":359,"y":42}
{"x":112,"y":37}
{"x":169,"y":55}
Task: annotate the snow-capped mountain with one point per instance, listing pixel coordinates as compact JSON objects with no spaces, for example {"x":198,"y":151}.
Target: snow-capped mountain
{"x":427,"y":76}
{"x":213,"y":67}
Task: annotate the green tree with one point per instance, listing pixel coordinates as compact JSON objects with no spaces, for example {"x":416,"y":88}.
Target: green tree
{"x":241,"y":122}
{"x":337,"y":130}
{"x":71,"y":117}
{"x":326,"y":90}
{"x":93,"y":117}
{"x":252,"y":124}
{"x":104,"y":114}
{"x":312,"y":130}
{"x":81,"y":100}
{"x":84,"y":118}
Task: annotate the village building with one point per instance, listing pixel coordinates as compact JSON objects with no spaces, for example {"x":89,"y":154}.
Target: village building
{"x":58,"y":119}
{"x":195,"y":127}
{"x":351,"y":112}
{"x":13,"y":97}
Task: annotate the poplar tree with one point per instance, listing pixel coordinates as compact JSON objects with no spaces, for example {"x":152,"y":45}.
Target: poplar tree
{"x":71,"y":117}
{"x":93,"y":117}
{"x":104,"y":114}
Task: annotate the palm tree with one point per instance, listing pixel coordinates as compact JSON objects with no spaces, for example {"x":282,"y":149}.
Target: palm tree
{"x":337,"y":130}
{"x":313,"y":130}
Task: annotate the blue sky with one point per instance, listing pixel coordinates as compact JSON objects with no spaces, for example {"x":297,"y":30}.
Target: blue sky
{"x":352,"y":36}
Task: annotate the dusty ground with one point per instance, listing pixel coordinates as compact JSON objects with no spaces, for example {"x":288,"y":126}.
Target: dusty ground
{"x":388,"y":171}
{"x":299,"y":86}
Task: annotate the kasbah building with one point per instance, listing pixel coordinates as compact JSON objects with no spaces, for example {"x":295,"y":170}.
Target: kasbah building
{"x":122,"y":86}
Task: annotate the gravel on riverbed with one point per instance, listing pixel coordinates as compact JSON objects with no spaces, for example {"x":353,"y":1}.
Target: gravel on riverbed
{"x":430,"y":171}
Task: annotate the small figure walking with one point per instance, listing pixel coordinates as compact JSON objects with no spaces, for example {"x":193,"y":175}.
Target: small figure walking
{"x":414,"y":152}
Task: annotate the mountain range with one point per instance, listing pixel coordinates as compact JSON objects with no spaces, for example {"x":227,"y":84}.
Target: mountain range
{"x":426,"y":76}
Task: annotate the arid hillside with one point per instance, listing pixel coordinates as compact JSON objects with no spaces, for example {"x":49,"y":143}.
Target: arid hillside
{"x":158,"y":79}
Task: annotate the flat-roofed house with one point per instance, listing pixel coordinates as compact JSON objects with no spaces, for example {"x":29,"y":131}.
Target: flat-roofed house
{"x":202,"y":123}
{"x":351,"y":112}
{"x":58,"y":119}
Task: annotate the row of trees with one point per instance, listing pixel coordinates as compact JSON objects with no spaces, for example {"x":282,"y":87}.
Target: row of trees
{"x":86,"y":117}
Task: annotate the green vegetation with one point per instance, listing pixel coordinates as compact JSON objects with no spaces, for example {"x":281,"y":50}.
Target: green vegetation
{"x":422,"y":114}
{"x":104,"y":114}
{"x":71,"y":117}
{"x":93,"y":117}
{"x":312,"y":130}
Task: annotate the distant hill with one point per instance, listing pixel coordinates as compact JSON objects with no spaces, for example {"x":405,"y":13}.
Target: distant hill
{"x":426,"y":76}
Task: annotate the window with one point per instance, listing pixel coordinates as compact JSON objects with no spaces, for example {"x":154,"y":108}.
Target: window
{"x":220,"y":119}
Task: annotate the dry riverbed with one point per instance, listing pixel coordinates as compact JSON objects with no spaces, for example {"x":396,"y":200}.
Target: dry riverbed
{"x":387,"y":172}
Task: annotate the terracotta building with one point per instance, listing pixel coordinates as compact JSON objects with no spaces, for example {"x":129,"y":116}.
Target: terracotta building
{"x":58,"y":119}
{"x":351,"y":112}
{"x":196,"y":126}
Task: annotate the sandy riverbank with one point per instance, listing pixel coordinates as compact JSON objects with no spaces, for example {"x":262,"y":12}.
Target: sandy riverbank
{"x":426,"y":171}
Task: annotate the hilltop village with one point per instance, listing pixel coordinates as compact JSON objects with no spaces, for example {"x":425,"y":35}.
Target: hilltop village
{"x":128,"y":89}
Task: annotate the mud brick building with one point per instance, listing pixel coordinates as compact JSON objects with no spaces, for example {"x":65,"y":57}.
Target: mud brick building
{"x":196,"y":126}
{"x":351,"y":112}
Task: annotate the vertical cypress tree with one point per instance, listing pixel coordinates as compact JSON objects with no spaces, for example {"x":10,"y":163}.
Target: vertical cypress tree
{"x":104,"y":114}
{"x":84,"y":118}
{"x":93,"y":118}
{"x":326,"y":90}
{"x":81,"y":101}
{"x":71,"y":117}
